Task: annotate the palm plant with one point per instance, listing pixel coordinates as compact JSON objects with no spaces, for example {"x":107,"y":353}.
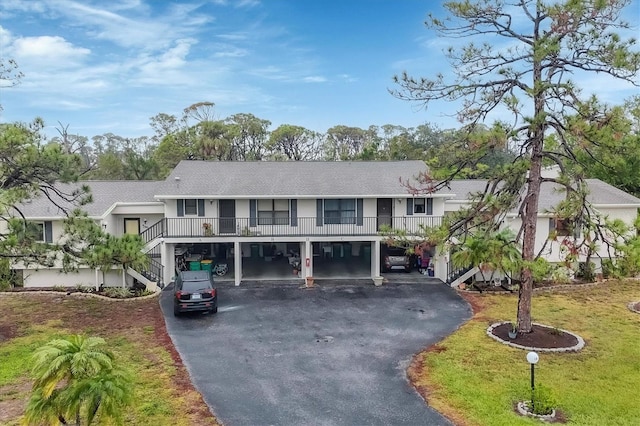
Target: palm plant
{"x":497,"y":251}
{"x":75,"y":378}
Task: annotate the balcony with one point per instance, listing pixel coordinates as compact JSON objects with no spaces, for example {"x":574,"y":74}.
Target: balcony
{"x":282,"y":227}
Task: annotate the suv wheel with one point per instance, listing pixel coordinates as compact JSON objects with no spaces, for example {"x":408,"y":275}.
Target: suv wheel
{"x":176,"y":311}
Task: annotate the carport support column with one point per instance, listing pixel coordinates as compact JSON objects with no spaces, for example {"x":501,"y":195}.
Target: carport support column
{"x":168,"y":260}
{"x":308,"y":254}
{"x":237,"y":263}
{"x":375,"y":258}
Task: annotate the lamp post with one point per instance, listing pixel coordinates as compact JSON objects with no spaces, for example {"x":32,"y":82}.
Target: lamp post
{"x":532,"y":358}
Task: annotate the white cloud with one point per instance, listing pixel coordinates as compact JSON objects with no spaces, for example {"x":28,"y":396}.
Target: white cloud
{"x":48,"y":51}
{"x":247,"y":3}
{"x":232,"y":52}
{"x":348,"y":78}
{"x":314,"y":79}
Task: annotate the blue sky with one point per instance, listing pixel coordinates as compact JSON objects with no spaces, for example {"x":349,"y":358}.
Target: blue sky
{"x":108,"y":66}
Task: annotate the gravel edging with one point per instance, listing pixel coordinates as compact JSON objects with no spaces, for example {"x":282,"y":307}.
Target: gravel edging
{"x":576,"y":348}
{"x":632,"y":307}
{"x":82,"y":295}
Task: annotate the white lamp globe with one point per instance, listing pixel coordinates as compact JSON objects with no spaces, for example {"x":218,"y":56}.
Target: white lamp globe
{"x":532,"y":358}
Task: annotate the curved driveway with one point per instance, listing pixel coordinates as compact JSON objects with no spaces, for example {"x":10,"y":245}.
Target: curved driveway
{"x":328,"y":356}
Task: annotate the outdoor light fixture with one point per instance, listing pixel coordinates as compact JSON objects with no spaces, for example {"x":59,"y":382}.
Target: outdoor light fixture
{"x":144,"y":222}
{"x":532,"y":358}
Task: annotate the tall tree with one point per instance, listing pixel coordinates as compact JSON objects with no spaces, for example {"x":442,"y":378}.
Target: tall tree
{"x":293,"y":143}
{"x":248,"y":136}
{"x":10,"y":75}
{"x":520,"y":61}
{"x":609,"y":140}
{"x":31,"y":168}
{"x":345,"y":143}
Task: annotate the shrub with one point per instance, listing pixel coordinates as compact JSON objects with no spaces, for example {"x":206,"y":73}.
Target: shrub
{"x":117,"y":292}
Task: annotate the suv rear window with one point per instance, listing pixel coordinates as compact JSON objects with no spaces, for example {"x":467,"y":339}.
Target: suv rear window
{"x":192,"y":286}
{"x":396,"y":251}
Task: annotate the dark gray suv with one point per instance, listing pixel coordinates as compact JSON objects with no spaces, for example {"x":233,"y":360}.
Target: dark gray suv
{"x":194,"y":291}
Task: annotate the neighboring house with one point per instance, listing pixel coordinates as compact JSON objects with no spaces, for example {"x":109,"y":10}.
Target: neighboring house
{"x":262,"y":218}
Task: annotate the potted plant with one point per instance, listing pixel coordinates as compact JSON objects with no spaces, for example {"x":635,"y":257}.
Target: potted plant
{"x":513,"y":332}
{"x":377,"y":281}
{"x":309,"y":281}
{"x":207,"y":229}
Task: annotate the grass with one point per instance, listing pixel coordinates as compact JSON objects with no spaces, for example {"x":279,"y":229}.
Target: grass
{"x":134,"y":331}
{"x":475,"y":380}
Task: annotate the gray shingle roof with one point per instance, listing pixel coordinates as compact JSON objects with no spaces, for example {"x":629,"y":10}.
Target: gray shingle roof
{"x":601,"y":193}
{"x":293,"y":179}
{"x":105,"y":194}
{"x":299,"y":179}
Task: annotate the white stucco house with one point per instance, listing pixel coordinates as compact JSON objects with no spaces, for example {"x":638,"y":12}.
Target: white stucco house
{"x":280,"y":220}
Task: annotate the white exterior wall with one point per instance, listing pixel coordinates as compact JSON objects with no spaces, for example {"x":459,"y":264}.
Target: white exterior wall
{"x":84,"y":277}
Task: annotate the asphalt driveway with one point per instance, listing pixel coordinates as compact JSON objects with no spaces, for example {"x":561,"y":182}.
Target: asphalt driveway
{"x":328,"y":356}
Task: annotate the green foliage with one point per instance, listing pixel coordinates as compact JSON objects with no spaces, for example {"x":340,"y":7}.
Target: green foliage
{"x":76,"y":378}
{"x":544,"y":401}
{"x":117,"y":292}
{"x":33,"y":169}
{"x":497,"y":251}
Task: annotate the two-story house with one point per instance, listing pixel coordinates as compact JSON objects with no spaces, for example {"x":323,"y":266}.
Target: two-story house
{"x":280,"y":220}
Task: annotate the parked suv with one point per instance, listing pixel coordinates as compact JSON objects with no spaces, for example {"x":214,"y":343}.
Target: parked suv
{"x":194,"y":291}
{"x":394,"y":258}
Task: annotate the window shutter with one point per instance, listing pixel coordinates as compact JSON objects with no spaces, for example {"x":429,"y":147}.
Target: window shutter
{"x":552,"y":225}
{"x":293,"y":211}
{"x":180,"y":204}
{"x":409,"y":206}
{"x":48,"y":231}
{"x":200,"y":207}
{"x":429,"y":206}
{"x":359,"y":209}
{"x":253,"y":212}
{"x":319,"y":214}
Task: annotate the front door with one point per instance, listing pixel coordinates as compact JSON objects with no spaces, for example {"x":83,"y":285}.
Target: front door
{"x":227,"y":216}
{"x":384,"y":211}
{"x":131,"y":226}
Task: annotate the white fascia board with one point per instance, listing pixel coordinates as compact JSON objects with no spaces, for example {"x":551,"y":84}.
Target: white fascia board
{"x":296,"y":196}
{"x":617,"y":206}
{"x":119,"y":204}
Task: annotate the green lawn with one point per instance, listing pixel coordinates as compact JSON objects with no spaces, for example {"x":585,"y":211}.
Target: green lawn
{"x":134,"y":331}
{"x":475,"y":380}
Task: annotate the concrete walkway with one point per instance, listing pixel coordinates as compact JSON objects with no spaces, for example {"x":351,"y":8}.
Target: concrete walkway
{"x":334,"y":355}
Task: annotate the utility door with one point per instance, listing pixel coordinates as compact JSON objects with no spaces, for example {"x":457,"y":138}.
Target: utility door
{"x":227,"y":216}
{"x":384,"y":212}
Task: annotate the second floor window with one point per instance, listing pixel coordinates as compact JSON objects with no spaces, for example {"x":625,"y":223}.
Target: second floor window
{"x":423,"y":206}
{"x":190,"y":207}
{"x":340,"y":211}
{"x":273,"y":212}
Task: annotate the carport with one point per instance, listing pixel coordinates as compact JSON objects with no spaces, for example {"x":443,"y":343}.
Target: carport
{"x":341,"y":259}
{"x":270,"y":260}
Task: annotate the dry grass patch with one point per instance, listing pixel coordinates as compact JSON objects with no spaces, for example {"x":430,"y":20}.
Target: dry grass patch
{"x":134,"y":330}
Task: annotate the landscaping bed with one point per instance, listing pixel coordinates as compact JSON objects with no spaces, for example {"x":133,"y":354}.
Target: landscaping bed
{"x":135,"y":331}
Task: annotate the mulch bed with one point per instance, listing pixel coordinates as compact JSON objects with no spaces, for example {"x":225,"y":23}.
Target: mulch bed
{"x":540,"y":337}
